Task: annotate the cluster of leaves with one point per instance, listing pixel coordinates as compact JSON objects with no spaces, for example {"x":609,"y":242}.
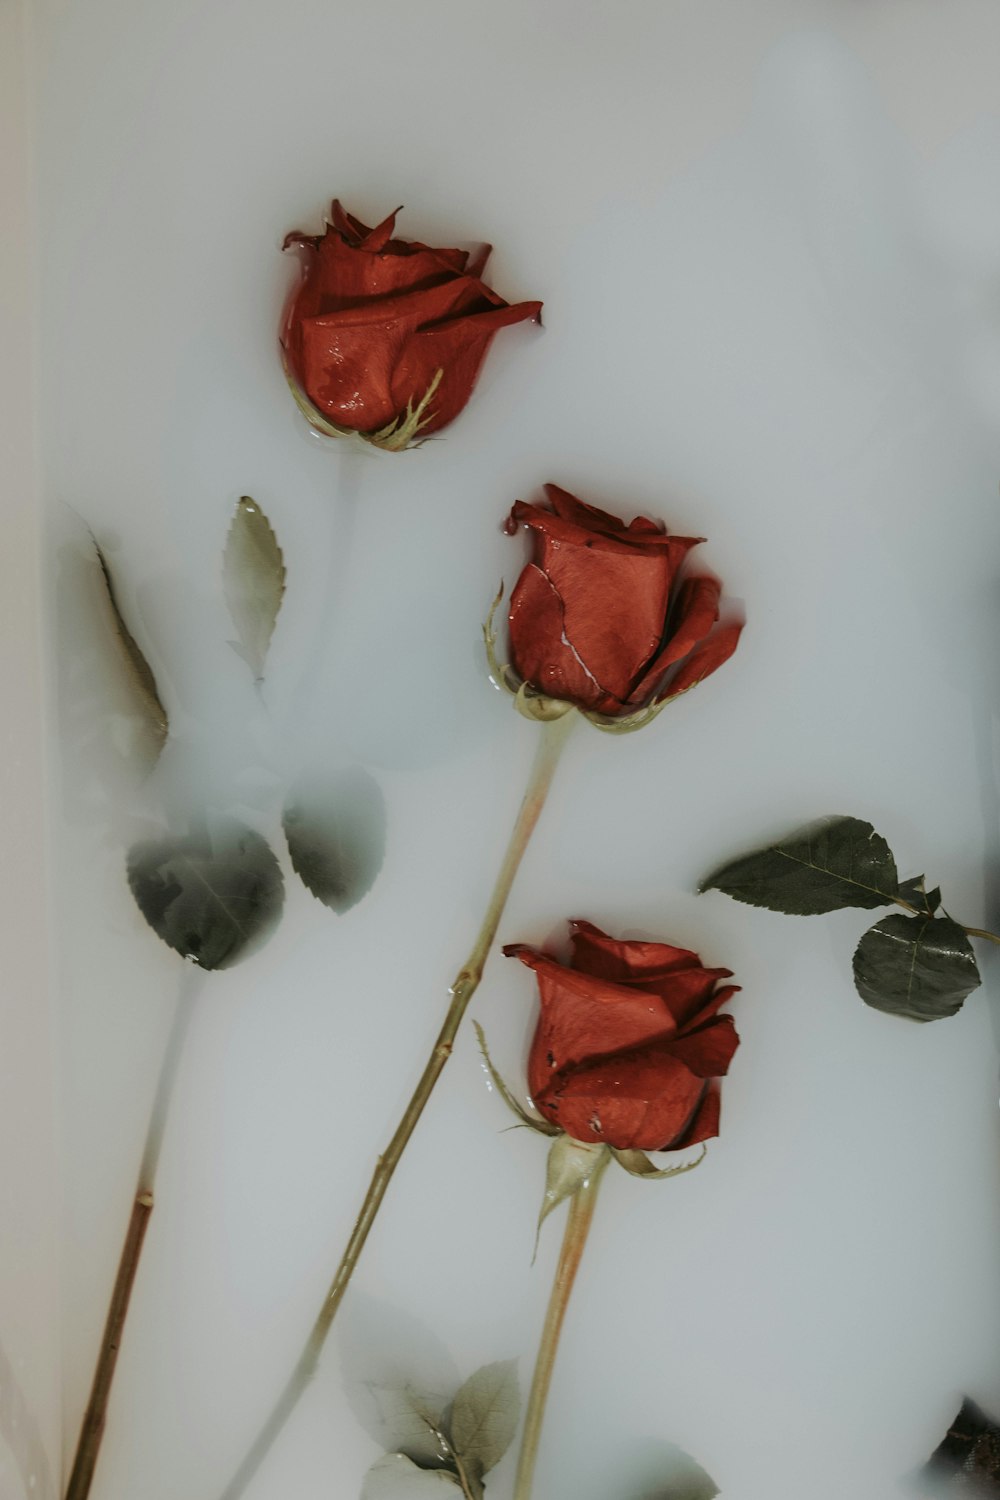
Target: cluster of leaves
{"x":216,"y":893}
{"x":444,"y":1448}
{"x":916,"y":963}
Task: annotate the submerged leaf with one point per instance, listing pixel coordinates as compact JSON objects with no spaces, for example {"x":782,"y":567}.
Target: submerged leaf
{"x":335,"y":827}
{"x":919,"y":967}
{"x":484,"y":1415}
{"x":253,"y":580}
{"x":410,"y":1423}
{"x":210,"y":896}
{"x":828,"y":865}
{"x":967,"y":1462}
{"x":139,"y":673}
{"x":395,"y":1477}
{"x":687,"y":1480}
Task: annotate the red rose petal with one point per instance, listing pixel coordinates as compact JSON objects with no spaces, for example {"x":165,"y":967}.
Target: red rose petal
{"x":582,"y":1018}
{"x":614,"y":604}
{"x":637,"y":1099}
{"x":540,"y":652}
{"x":346,"y":276}
{"x":695,"y":613}
{"x":594,"y":952}
{"x":702,"y":1127}
{"x":457,"y":347}
{"x":347,"y":361}
{"x":702,"y":663}
{"x":708,"y":1051}
{"x":586,"y":516}
{"x":706,"y":1012}
{"x":346,"y":224}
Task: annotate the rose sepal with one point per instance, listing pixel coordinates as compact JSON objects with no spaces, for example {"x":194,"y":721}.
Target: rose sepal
{"x":638,"y":1164}
{"x":394,"y":437}
{"x":571,"y":1165}
{"x":532,"y":1122}
{"x":528,"y":701}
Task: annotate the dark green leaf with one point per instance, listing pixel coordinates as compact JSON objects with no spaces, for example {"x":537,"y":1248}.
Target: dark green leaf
{"x":915,"y":893}
{"x":967,"y":1462}
{"x":210,"y":896}
{"x":919,"y":967}
{"x":834,"y":863}
{"x":335,"y":827}
{"x":484,"y":1415}
{"x":137,"y":668}
{"x":253,"y":580}
{"x":395,"y":1477}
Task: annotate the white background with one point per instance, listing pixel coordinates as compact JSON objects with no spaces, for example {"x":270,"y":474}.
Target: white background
{"x":768,"y":242}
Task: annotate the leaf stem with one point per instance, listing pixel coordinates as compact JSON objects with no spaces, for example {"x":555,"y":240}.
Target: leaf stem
{"x":581,"y":1212}
{"x":552,"y":738}
{"x":95,"y":1416}
{"x":979,"y":932}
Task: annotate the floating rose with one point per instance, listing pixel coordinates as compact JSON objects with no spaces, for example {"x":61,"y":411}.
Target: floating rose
{"x":624,"y":1060}
{"x":601,"y":619}
{"x":385,"y":336}
{"x":627,"y":1042}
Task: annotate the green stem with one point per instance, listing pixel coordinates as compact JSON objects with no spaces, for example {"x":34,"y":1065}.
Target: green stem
{"x":88,"y":1446}
{"x":581,"y":1212}
{"x":553,"y":736}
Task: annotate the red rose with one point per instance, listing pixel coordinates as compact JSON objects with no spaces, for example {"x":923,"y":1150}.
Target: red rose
{"x":601,"y":619}
{"x":628,"y":1042}
{"x":385,"y":336}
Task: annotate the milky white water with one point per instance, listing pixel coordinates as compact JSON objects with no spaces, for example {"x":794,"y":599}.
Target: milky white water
{"x":768,"y":243}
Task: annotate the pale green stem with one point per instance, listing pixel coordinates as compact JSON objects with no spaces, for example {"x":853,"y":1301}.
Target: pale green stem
{"x":94,"y":1418}
{"x":581,"y":1212}
{"x":466,"y":981}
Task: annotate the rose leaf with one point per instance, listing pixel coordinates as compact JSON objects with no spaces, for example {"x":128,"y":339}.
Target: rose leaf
{"x":395,"y":1477}
{"x":967,"y":1461}
{"x":253,"y":581}
{"x":919,"y":967}
{"x":830,"y":864}
{"x":687,"y":1479}
{"x":484,"y":1415}
{"x":141,"y":681}
{"x":335,"y":827}
{"x":211,"y":896}
{"x":409,"y":1423}
{"x":915,"y":892}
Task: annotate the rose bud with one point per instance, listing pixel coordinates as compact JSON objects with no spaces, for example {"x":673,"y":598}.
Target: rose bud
{"x":628,"y":1042}
{"x":602,"y":619}
{"x":385,"y":337}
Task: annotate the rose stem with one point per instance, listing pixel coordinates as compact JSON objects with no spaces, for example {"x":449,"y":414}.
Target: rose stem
{"x":552,"y":738}
{"x":92,"y":1428}
{"x":305,"y":704}
{"x":581,"y":1212}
